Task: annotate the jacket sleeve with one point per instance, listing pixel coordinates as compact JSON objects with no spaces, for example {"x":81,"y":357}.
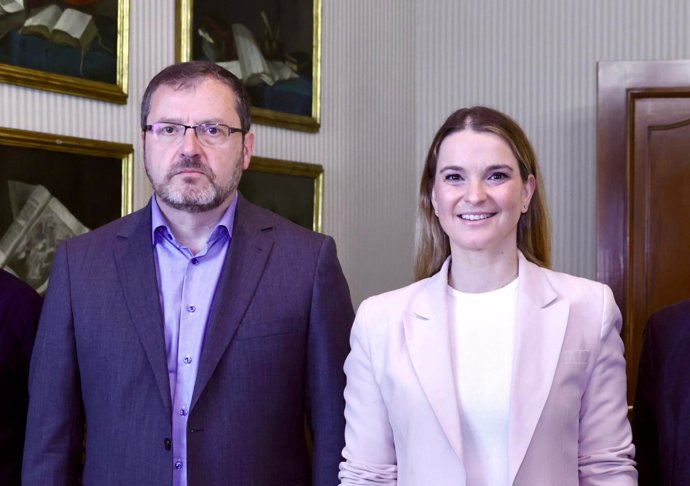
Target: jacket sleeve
{"x":20,"y":307}
{"x":369,"y":453}
{"x":330,"y":322}
{"x":605,"y":446}
{"x":55,"y":424}
{"x":645,"y":427}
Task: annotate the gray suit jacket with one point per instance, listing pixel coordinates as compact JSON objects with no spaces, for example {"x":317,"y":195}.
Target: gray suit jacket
{"x":275,"y":344}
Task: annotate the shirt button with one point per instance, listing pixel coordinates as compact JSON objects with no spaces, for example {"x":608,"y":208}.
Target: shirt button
{"x":187,"y":359}
{"x":183,"y":412}
{"x":178,"y":464}
{"x":195,"y":261}
{"x":191,"y":309}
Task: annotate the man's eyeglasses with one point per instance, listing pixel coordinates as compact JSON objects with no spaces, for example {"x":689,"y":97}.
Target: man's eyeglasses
{"x":209,"y":134}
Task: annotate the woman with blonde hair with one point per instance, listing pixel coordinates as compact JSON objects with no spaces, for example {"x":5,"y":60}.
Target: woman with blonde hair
{"x":491,"y":369}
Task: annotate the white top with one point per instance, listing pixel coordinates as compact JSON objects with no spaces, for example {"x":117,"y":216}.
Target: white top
{"x":483,"y":325}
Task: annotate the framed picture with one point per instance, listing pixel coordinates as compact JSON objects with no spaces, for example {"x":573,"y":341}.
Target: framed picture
{"x":75,"y":47}
{"x":274,"y":46}
{"x":293,"y":190}
{"x":53,"y":188}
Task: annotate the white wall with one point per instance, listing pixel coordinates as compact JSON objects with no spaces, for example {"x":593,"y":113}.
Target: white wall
{"x":392,"y":70}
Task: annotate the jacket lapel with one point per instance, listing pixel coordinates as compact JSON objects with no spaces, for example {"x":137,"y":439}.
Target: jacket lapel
{"x":542,"y":318}
{"x":252,"y":241}
{"x":429,"y":344}
{"x":137,"y":272}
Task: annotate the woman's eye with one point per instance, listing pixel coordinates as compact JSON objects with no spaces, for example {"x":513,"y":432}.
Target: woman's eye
{"x":453,"y":177}
{"x":497,"y":176}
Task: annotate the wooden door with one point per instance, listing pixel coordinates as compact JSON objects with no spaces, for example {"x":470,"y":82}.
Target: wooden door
{"x":643,"y":191}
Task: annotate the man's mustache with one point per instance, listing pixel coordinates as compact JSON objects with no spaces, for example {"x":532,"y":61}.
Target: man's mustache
{"x":186,"y":163}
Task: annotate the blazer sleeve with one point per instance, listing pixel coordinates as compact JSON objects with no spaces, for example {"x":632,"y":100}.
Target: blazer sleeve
{"x":330,"y":322}
{"x":55,"y":424}
{"x":605,"y":449}
{"x":645,"y":427}
{"x":369,"y":453}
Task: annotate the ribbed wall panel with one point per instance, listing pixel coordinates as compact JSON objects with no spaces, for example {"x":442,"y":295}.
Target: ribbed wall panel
{"x":536,"y":60}
{"x":391,"y":72}
{"x":366,"y":142}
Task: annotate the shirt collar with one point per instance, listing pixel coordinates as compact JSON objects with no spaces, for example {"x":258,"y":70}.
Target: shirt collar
{"x":159,"y":223}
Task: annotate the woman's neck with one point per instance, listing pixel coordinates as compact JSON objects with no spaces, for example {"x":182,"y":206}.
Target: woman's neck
{"x":475,"y":272}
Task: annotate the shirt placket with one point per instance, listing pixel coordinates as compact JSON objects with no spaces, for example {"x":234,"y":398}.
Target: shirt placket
{"x":187,"y":365}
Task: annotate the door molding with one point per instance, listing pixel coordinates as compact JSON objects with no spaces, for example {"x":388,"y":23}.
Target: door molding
{"x":620,"y":85}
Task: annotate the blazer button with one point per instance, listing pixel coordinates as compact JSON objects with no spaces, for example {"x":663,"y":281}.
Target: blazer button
{"x":168,"y":444}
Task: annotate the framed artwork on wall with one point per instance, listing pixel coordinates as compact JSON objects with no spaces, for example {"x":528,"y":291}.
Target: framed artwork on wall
{"x":53,"y":188}
{"x":274,"y":46}
{"x":75,"y":47}
{"x":293,"y":190}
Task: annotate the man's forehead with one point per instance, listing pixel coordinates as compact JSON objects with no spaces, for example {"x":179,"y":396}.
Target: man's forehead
{"x":193,"y":85}
{"x":171,"y":96}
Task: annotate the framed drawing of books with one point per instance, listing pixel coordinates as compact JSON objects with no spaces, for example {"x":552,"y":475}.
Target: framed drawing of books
{"x":293,"y":190}
{"x":53,"y":188}
{"x":75,"y":47}
{"x":274,"y":46}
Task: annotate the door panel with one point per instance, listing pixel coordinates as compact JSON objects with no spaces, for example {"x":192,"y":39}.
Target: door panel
{"x":660,"y":210}
{"x":643,"y":191}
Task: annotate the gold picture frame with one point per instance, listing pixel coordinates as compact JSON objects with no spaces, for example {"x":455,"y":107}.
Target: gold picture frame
{"x":286,"y":103}
{"x":98,"y":70}
{"x":293,"y":190}
{"x":54,"y":187}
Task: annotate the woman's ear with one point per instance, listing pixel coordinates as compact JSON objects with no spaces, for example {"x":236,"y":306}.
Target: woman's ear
{"x":528,"y":189}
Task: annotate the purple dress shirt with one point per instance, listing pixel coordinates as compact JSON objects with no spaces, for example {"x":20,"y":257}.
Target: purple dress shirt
{"x":186,"y":287}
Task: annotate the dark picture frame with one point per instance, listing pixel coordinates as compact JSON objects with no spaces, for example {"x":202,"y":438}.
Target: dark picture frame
{"x":293,"y":190}
{"x":96,"y":66}
{"x":54,"y":187}
{"x":277,"y":44}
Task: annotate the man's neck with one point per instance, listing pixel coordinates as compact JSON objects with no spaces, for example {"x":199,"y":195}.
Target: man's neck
{"x":193,"y":229}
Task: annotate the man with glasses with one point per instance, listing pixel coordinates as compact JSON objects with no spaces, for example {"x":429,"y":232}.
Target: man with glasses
{"x":188,"y":342}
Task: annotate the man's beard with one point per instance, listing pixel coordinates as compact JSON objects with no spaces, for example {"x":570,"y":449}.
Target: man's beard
{"x":195,"y":195}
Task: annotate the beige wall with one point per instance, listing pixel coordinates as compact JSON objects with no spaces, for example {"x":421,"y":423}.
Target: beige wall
{"x":536,"y":60}
{"x":391,"y":72}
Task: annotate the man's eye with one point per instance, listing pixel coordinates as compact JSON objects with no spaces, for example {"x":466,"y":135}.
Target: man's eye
{"x":211,"y":130}
{"x":166,"y":130}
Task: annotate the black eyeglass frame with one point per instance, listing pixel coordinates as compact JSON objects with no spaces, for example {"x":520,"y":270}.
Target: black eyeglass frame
{"x":231,"y":130}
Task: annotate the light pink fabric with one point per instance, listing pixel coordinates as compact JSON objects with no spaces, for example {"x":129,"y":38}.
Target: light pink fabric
{"x":568,"y":412}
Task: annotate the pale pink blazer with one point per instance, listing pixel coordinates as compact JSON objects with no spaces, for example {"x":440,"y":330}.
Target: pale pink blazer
{"x":568,"y":412}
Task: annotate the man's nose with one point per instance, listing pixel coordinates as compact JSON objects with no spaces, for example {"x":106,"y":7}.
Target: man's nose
{"x":190,"y":141}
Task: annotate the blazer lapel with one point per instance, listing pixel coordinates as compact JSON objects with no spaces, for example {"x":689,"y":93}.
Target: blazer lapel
{"x":252,"y":241}
{"x":542,"y":318}
{"x":429,"y":344}
{"x":137,"y":272}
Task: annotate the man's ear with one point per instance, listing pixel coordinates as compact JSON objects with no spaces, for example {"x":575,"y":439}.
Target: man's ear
{"x":143,"y":147}
{"x":248,"y":149}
